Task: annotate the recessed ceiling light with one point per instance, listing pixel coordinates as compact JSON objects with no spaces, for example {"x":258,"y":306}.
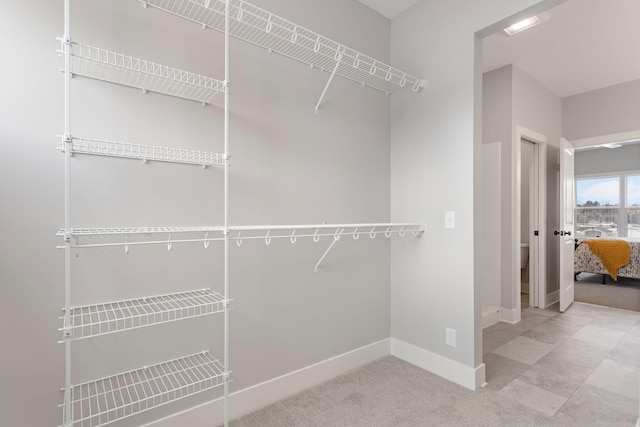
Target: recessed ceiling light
{"x":612,"y":145}
{"x":525,"y":24}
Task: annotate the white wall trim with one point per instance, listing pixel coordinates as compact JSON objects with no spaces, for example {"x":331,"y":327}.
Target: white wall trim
{"x":510,"y":315}
{"x":260,"y":395}
{"x":466,"y":376}
{"x":552,"y":298}
{"x":490,"y":316}
{"x":606,"y":139}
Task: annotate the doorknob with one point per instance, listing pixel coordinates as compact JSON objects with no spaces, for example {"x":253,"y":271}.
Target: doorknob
{"x":555,"y":233}
{"x":568,"y":233}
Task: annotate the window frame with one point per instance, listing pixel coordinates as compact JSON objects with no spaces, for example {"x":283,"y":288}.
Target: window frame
{"x":622,"y":226}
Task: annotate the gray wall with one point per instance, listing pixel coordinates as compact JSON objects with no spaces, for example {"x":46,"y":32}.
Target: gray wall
{"x":436,"y":158}
{"x":604,"y":160}
{"x":539,"y":109}
{"x":497,"y":116}
{"x":605,"y":111}
{"x":535,"y":107}
{"x":289,"y":166}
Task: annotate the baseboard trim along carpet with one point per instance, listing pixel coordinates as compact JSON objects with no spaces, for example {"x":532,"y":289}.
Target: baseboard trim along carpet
{"x":466,"y":376}
{"x":260,"y":395}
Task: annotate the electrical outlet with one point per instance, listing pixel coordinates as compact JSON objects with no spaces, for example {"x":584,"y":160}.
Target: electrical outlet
{"x":450,"y":337}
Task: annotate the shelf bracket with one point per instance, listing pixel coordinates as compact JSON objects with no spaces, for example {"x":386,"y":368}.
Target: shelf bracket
{"x":67,"y":332}
{"x":339,"y":55}
{"x":336,"y":237}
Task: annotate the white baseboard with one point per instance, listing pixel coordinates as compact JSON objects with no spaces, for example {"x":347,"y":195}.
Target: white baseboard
{"x":490,"y":316}
{"x":509,"y":315}
{"x":638,"y":423}
{"x":466,"y":376}
{"x":260,"y":395}
{"x":552,"y":298}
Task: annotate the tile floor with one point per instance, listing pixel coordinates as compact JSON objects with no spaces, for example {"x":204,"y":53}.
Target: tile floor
{"x":579,"y":366}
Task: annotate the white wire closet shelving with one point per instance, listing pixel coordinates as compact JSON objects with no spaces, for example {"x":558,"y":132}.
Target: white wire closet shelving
{"x":103,"y":147}
{"x":207,"y":234}
{"x":262,"y":28}
{"x":113,"y":67}
{"x":108,"y":399}
{"x":136,"y":236}
{"x":106,"y":318}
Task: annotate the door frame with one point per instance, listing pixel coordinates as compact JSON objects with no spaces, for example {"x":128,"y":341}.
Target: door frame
{"x":537,"y":246}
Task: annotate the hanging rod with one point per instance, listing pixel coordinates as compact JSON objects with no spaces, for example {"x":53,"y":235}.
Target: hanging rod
{"x":108,"y":148}
{"x":113,"y":67}
{"x":278,"y":35}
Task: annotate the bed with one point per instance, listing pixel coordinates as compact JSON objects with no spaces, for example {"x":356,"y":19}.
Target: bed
{"x":586,"y":262}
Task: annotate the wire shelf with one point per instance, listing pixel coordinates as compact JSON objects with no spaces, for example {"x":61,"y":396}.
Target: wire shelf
{"x":109,"y":399}
{"x":262,"y":28}
{"x":101,"y":319}
{"x":102,"y":147}
{"x":113,"y":67}
{"x":137,"y":230}
{"x":206,"y":235}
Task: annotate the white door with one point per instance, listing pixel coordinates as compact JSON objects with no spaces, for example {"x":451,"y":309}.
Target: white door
{"x":567,"y":232}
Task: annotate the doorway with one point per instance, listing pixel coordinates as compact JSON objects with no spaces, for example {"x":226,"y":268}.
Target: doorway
{"x":528,"y":222}
{"x":536,"y":196}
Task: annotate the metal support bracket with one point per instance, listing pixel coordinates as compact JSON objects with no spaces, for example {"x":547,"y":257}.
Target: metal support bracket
{"x":339,"y":55}
{"x":67,"y":332}
{"x":65,"y":40}
{"x":336,"y":237}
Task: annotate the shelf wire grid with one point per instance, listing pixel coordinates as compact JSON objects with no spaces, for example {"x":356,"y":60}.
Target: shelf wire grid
{"x":113,"y":67}
{"x":103,"y":147}
{"x":106,"y":318}
{"x":148,"y":235}
{"x":103,"y":401}
{"x":262,"y":28}
{"x":138,"y":230}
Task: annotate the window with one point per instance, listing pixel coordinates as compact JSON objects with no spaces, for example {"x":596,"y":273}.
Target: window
{"x":633,"y":205}
{"x":608,"y":206}
{"x":597,"y":206}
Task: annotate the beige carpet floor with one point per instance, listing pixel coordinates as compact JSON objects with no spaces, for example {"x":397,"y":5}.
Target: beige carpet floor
{"x":572,"y":369}
{"x":625,"y":293}
{"x":392,"y":393}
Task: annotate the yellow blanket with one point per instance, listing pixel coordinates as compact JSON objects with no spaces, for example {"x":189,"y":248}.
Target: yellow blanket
{"x":613,"y":254}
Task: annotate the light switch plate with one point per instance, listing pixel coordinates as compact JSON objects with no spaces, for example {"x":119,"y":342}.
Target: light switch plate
{"x":450,"y":219}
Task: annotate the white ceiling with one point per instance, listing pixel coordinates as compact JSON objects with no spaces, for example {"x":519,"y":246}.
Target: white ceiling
{"x":389,"y":8}
{"x":582,"y":45}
